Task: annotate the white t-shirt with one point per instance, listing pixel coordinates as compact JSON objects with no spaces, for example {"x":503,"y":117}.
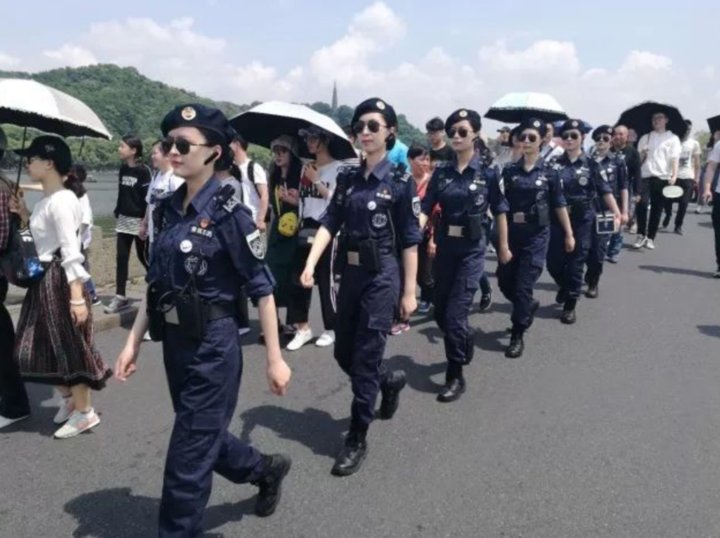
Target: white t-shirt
{"x":249,"y":193}
{"x":312,"y":204}
{"x":662,"y":149}
{"x":55,"y":224}
{"x":86,"y":221}
{"x":161,"y":185}
{"x":689,"y":149}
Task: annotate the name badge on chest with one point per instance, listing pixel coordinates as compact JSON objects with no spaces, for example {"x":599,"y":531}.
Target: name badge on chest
{"x":199,"y":230}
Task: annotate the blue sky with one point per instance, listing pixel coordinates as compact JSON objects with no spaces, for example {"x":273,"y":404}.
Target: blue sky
{"x":427,"y":58}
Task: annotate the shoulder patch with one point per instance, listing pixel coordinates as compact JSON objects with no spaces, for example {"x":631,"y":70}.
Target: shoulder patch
{"x":232,"y":203}
{"x":256,"y":244}
{"x":416,"y":206}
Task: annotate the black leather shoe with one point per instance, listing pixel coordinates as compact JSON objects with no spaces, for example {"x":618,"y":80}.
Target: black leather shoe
{"x":678,"y":230}
{"x":391,"y":394}
{"x":516,"y":347}
{"x":485,"y":302}
{"x":270,"y":484}
{"x":568,"y":316}
{"x":592,"y":292}
{"x":452,"y":391}
{"x":352,"y":455}
{"x":561,"y":296}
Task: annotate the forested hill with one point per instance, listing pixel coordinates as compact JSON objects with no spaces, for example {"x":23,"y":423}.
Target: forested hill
{"x":129,"y":102}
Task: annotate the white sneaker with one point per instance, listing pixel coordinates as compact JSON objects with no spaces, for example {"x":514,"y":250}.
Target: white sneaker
{"x":5,"y":421}
{"x":78,"y":423}
{"x":301,"y":338}
{"x":326,"y":339}
{"x":641,"y":241}
{"x":66,"y":407}
{"x":118,"y":303}
{"x":649,"y":244}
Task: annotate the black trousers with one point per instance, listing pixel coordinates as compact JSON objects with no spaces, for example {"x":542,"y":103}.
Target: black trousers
{"x":13,"y":398}
{"x":298,"y":310}
{"x":652,"y":193}
{"x":124,"y":244}
{"x":687,"y":186}
{"x":716,"y":226}
{"x":425,"y":278}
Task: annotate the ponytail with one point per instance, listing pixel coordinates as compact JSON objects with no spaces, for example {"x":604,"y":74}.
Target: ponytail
{"x":75,"y":179}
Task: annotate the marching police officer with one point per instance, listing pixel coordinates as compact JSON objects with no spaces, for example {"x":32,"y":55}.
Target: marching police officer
{"x":464,"y":188}
{"x":206,"y":249}
{"x":613,"y":170}
{"x":532,"y":189}
{"x":376,"y":206}
{"x":582,"y":183}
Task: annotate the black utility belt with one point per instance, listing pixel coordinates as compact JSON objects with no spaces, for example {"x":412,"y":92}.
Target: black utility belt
{"x":209,"y":311}
{"x":473,"y":229}
{"x":365,"y":253}
{"x":579,"y":207}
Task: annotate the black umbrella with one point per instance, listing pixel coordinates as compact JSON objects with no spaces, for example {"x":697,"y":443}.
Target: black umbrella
{"x":639,"y":118}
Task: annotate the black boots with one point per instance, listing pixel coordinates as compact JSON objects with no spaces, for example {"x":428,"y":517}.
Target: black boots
{"x":390,"y":389}
{"x":352,"y":455}
{"x":270,"y":484}
{"x":592,"y":291}
{"x":568,"y":314}
{"x":454,"y":384}
{"x":516,"y":347}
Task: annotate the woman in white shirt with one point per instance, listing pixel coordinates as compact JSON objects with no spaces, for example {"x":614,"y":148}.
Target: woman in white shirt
{"x":55,"y":333}
{"x":317,"y":184}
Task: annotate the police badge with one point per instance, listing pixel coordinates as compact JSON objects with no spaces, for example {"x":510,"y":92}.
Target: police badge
{"x":257,"y":244}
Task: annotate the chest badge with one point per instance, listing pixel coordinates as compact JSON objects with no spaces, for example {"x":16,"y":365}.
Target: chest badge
{"x":195,"y":266}
{"x":583,"y":181}
{"x":379,"y":220}
{"x":538,"y":182}
{"x":473,"y":187}
{"x":371,"y":205}
{"x":185,"y":246}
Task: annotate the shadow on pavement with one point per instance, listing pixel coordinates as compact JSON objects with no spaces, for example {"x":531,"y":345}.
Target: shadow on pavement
{"x":490,"y":341}
{"x":418,"y":375}
{"x":313,"y":428}
{"x":117,"y":513}
{"x":710,"y":330}
{"x":660,"y":269}
{"x":433,"y":334}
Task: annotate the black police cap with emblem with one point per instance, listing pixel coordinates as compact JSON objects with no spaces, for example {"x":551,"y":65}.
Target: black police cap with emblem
{"x":574,"y":125}
{"x":533,"y":123}
{"x":375,"y":104}
{"x":603,"y":129}
{"x":464,"y":114}
{"x":199,"y":116}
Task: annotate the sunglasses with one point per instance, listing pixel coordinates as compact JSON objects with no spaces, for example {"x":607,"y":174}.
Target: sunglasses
{"x":280,"y":150}
{"x":571,"y":136}
{"x":528,"y":137}
{"x":182,"y":145}
{"x":372,"y":125}
{"x":462,"y":131}
{"x":603,"y":138}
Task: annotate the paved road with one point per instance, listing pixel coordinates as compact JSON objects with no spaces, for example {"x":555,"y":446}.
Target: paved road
{"x":608,"y":428}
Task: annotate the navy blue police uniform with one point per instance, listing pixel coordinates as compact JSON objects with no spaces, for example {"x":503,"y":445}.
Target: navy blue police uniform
{"x":202,"y":258}
{"x":378,"y":216}
{"x":582,"y":184}
{"x":461,"y":236}
{"x":613,"y":171}
{"x":532,"y":196}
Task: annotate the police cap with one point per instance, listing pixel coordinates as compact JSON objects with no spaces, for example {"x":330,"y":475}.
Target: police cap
{"x":464,"y":114}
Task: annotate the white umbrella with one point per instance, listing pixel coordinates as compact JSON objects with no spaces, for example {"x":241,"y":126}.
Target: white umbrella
{"x":264,"y":123}
{"x":28,"y":103}
{"x":517,"y":107}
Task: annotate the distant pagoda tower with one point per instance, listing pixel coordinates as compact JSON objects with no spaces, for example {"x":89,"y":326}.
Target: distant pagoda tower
{"x":334,"y":97}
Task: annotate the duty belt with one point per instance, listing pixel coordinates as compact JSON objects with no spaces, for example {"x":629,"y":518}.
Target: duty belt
{"x":213,"y":311}
{"x":579,"y":206}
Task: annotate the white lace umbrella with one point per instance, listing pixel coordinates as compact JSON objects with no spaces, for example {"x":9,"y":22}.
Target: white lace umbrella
{"x":519,"y":106}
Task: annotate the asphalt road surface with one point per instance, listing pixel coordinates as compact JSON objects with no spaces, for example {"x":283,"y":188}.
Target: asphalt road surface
{"x":607,"y":428}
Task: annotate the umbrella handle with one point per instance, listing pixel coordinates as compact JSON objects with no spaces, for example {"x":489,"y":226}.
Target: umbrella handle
{"x":22,"y":146}
{"x":82,"y":145}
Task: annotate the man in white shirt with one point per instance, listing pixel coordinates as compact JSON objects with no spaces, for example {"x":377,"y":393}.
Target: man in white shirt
{"x":163,"y":183}
{"x":709,"y":194}
{"x":660,"y":156}
{"x":687,"y":178}
{"x":550,"y":148}
{"x":255,"y":194}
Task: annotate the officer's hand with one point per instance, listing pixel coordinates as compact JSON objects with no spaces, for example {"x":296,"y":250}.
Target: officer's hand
{"x":278,"y":374}
{"x":125,"y":364}
{"x":617,"y":221}
{"x":504,"y":255}
{"x":261,"y":225}
{"x":408,"y":305}
{"x":707,"y":196}
{"x":306,"y":278}
{"x":431,"y":249}
{"x":637,"y":199}
{"x":569,"y":243}
{"x":624,"y":219}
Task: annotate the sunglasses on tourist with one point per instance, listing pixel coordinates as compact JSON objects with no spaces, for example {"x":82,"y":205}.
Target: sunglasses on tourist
{"x":462,"y":131}
{"x":603,"y":138}
{"x":372,"y":125}
{"x":528,"y":137}
{"x":571,"y":136}
{"x":182,"y":145}
{"x":280,"y":150}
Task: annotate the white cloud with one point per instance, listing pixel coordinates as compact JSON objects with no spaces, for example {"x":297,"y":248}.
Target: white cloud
{"x":541,"y":56}
{"x":71,"y":55}
{"x":639,"y":60}
{"x":8,"y":61}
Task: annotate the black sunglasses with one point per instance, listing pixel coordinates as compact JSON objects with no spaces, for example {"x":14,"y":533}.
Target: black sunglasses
{"x":182,"y":145}
{"x":571,"y":136}
{"x":372,"y":125}
{"x":462,"y":131}
{"x":528,"y":137}
{"x":603,"y":138}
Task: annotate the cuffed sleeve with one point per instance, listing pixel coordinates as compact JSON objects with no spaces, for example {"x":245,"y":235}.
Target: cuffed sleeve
{"x":498,"y":202}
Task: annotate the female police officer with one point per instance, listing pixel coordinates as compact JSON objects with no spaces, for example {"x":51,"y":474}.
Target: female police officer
{"x":206,"y":249}
{"x":531,"y":190}
{"x":464,"y":188}
{"x":377,"y":206}
{"x":582,"y":183}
